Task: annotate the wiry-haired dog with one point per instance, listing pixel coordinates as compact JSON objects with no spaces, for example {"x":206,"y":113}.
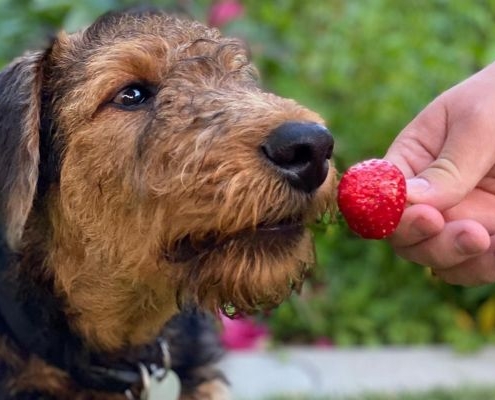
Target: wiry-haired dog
{"x":144,"y":172}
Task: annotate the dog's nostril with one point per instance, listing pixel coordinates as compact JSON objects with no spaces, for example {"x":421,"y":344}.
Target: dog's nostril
{"x":299,"y":151}
{"x":288,"y":156}
{"x":330,"y":151}
{"x":302,"y":154}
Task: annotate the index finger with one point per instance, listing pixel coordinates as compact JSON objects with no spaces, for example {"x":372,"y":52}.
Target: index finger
{"x":420,"y":142}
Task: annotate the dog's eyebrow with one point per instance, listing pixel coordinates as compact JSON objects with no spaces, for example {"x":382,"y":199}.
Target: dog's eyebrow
{"x":111,"y":69}
{"x":145,"y":57}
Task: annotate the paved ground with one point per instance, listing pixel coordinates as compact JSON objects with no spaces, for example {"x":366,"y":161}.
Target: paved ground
{"x":320,"y":371}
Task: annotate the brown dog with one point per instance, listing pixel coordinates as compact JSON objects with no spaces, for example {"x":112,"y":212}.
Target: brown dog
{"x":144,"y":172}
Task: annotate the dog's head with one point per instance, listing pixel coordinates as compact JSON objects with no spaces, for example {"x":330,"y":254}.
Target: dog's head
{"x":141,"y":158}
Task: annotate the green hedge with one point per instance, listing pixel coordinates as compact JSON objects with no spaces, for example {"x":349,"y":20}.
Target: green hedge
{"x":368,"y":67}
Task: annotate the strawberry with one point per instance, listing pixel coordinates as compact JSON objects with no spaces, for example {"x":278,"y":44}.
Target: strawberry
{"x":372,"y":196}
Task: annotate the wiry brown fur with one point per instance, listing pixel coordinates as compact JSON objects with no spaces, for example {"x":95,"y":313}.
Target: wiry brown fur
{"x":136,"y":184}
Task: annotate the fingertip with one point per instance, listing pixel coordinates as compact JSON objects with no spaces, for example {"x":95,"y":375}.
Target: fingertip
{"x":426,"y":220}
{"x":472,"y":240}
{"x":419,"y":222}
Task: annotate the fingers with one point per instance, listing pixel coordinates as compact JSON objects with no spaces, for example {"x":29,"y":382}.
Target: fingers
{"x":420,"y":141}
{"x":418,"y":223}
{"x":459,"y":252}
{"x":458,"y":242}
{"x":478,"y":205}
{"x":477,"y":270}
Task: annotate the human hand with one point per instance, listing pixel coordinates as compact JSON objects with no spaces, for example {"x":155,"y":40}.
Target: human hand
{"x":447,"y":154}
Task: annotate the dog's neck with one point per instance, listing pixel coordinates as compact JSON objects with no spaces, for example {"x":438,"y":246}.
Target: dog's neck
{"x":106,"y":305}
{"x":35,"y":323}
{"x":36,"y":319}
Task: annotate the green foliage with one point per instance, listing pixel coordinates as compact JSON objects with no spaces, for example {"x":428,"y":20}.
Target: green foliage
{"x":29,"y":24}
{"x":463,"y":393}
{"x":368,"y":67}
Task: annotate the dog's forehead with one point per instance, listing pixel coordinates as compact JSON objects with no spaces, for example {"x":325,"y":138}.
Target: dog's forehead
{"x":127,"y":26}
{"x":141,"y":44}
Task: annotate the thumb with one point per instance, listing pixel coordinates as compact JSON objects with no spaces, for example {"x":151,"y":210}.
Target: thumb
{"x":466,"y":157}
{"x":441,"y":185}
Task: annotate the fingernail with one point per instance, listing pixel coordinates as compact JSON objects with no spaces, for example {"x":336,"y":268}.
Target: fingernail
{"x":465,"y":245}
{"x":417,"y":185}
{"x":423,"y":228}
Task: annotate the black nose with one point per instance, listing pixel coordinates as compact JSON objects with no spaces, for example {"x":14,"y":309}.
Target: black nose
{"x":300,"y":151}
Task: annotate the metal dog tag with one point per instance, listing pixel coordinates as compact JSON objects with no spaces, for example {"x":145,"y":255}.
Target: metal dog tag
{"x":166,"y":389}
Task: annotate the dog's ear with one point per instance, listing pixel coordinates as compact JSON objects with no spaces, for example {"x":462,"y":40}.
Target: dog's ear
{"x":20,"y":102}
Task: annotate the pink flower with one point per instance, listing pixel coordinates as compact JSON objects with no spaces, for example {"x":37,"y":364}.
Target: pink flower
{"x":224,"y":11}
{"x":323,"y":341}
{"x":243,"y":333}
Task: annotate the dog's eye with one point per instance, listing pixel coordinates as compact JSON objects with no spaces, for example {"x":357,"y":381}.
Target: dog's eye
{"x":132,"y":96}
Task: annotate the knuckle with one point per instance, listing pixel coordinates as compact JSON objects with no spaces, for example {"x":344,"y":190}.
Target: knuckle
{"x":446,"y":171}
{"x":446,"y":167}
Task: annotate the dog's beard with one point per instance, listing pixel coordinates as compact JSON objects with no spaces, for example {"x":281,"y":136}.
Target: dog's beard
{"x":248,"y":272}
{"x":250,"y":259}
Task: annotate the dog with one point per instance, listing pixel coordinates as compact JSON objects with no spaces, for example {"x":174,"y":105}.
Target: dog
{"x":147,"y":183}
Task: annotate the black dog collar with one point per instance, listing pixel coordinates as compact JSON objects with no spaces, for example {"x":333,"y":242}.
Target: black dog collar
{"x":128,"y":372}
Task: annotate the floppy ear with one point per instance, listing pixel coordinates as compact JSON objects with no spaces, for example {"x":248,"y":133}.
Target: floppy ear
{"x":20,"y":102}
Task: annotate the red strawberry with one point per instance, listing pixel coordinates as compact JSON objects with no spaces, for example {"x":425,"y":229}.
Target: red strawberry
{"x":372,"y":196}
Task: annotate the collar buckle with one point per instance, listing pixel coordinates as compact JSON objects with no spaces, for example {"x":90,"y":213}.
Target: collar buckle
{"x":153,"y":372}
